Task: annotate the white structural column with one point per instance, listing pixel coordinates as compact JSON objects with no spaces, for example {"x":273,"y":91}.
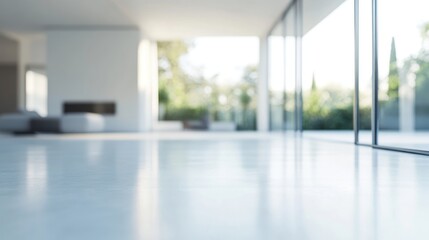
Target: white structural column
{"x":154,"y":86}
{"x":263,"y":105}
{"x":148,"y":82}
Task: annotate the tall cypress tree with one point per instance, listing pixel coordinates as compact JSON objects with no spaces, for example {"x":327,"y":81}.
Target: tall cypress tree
{"x":313,"y":84}
{"x":393,"y":78}
{"x":389,"y":116}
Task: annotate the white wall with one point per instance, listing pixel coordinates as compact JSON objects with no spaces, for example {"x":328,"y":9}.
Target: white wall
{"x":95,"y":65}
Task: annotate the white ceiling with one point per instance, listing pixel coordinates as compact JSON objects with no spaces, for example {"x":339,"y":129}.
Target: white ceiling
{"x":158,"y":19}
{"x":314,"y":11}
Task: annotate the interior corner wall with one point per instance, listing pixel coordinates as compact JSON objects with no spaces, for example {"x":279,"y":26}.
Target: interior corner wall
{"x":95,"y":65}
{"x":8,"y":75}
{"x":32,"y":53}
{"x":8,"y":88}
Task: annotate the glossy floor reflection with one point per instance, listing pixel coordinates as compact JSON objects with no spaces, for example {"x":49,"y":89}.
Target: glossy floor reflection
{"x":200,"y":186}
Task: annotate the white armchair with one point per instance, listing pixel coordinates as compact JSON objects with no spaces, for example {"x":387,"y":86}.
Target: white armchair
{"x":81,"y":123}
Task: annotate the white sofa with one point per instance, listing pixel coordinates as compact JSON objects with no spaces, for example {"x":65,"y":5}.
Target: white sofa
{"x":81,"y":123}
{"x":17,"y":122}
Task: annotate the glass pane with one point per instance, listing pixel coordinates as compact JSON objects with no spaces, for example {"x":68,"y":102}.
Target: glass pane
{"x":365,"y":71}
{"x":403,"y":49}
{"x":36,"y":92}
{"x":290,"y":54}
{"x":276,"y":76}
{"x":328,"y":69}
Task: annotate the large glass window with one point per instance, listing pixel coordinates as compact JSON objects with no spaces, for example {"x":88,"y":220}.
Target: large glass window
{"x":209,"y":83}
{"x":327,"y":75}
{"x":281,"y":71}
{"x":403,"y":61}
{"x":36,"y":91}
{"x":328,"y":68}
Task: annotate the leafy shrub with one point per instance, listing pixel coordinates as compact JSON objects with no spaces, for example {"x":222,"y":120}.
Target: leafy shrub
{"x":185,"y":113}
{"x":340,"y":118}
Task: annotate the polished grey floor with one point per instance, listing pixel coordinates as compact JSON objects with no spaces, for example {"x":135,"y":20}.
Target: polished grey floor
{"x":208,"y":186}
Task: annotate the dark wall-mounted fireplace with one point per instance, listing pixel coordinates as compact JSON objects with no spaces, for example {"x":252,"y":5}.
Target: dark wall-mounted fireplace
{"x":104,"y":108}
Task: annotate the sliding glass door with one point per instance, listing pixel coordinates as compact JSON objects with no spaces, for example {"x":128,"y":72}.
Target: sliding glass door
{"x":328,"y":69}
{"x":359,"y":65}
{"x":403,"y":73}
{"x":282,"y":73}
